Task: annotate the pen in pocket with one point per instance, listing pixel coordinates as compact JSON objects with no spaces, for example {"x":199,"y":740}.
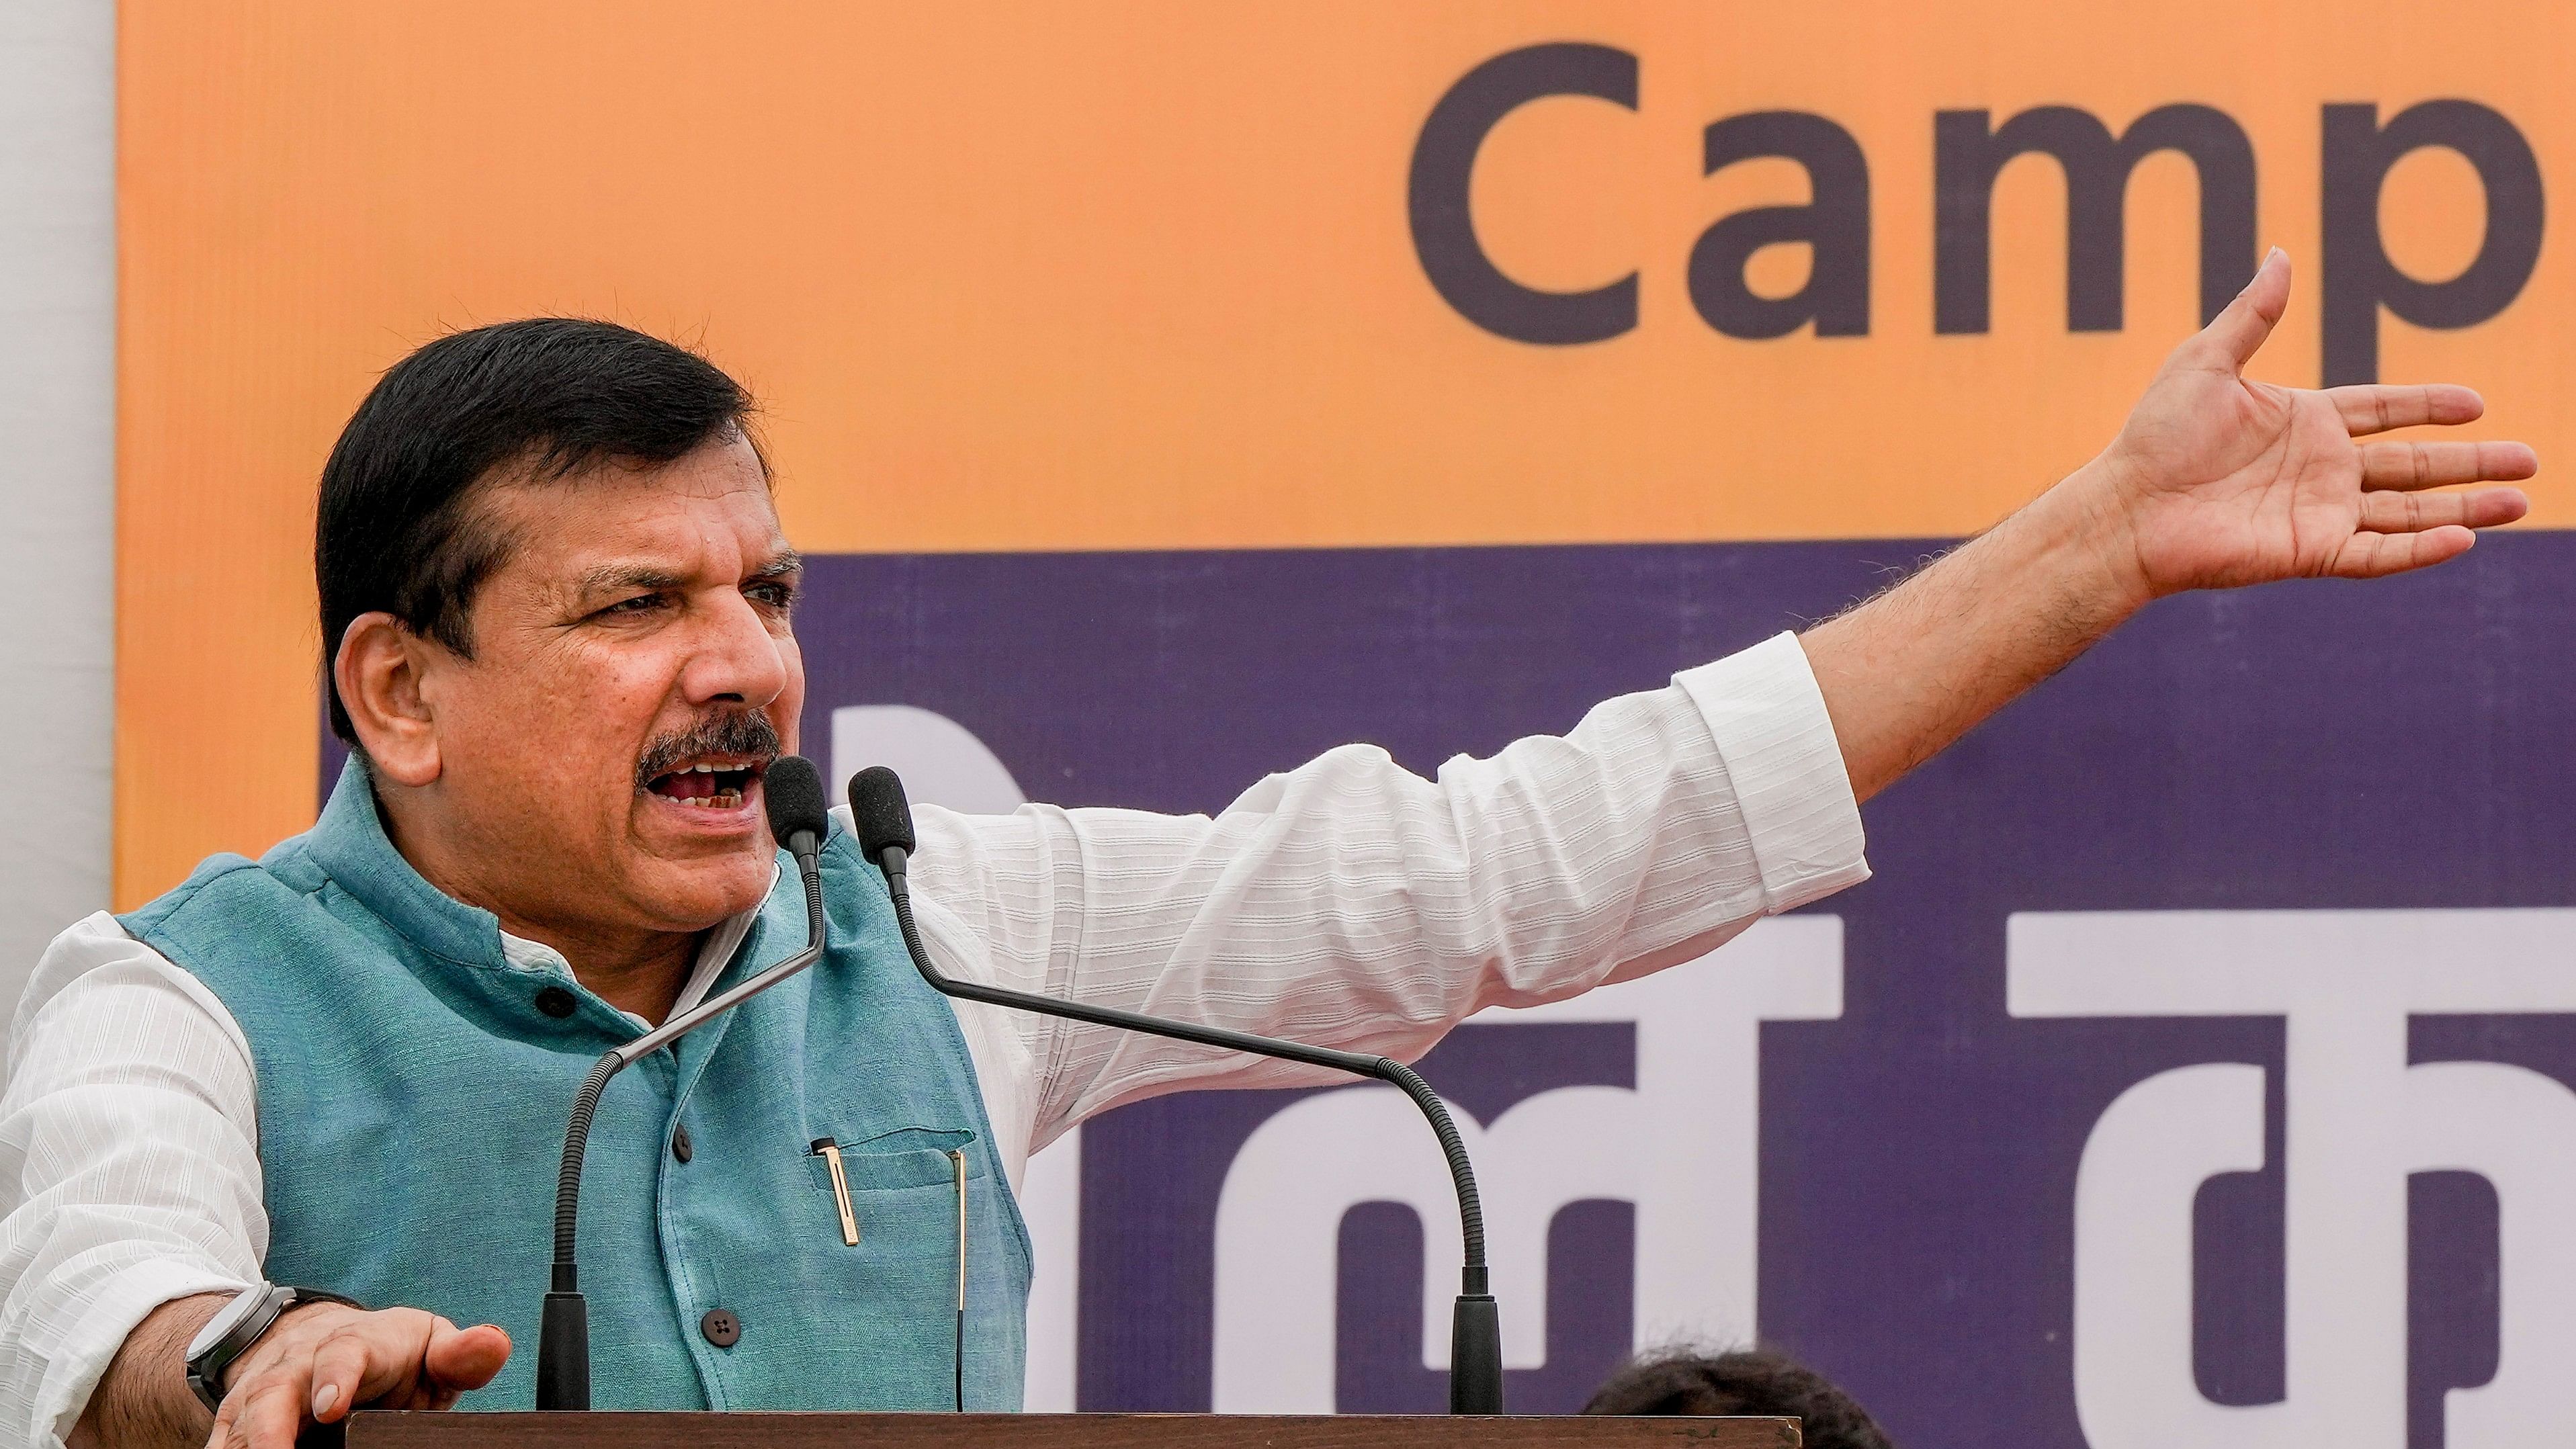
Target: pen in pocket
{"x":830,"y":1151}
{"x":957,"y":1161}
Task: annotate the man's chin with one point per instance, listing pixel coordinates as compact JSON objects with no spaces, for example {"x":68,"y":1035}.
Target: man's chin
{"x":702,"y":890}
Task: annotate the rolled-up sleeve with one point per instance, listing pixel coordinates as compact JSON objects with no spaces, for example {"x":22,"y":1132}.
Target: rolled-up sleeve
{"x":1767,"y":718}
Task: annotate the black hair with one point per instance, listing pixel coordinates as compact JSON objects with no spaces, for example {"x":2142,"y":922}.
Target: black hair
{"x":1745,"y":1381}
{"x":399,"y":528}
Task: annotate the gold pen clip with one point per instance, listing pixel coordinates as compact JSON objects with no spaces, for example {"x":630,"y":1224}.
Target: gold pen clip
{"x":830,"y":1151}
{"x":957,"y":1159}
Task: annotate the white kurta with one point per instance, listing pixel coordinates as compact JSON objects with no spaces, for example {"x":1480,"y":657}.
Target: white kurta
{"x":1346,"y":903}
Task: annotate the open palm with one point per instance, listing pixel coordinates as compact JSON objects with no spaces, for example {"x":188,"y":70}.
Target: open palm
{"x":2226,"y":481}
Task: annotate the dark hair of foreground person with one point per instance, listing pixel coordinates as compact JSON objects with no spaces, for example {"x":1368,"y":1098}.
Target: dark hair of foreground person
{"x":1741,"y":1381}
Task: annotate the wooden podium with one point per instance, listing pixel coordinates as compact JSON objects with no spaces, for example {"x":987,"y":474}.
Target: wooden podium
{"x":611,"y":1430}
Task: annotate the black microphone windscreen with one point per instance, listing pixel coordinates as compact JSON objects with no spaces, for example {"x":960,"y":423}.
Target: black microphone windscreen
{"x":792,"y":789}
{"x":880,"y":811}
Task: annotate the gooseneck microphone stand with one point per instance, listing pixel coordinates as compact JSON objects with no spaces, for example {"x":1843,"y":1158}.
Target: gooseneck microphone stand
{"x":884,"y":820}
{"x":792,"y":791}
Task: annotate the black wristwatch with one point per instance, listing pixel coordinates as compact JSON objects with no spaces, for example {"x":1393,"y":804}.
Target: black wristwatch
{"x":235,"y":1327}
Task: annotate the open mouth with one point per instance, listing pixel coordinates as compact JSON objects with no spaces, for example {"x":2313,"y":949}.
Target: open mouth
{"x":707,"y":784}
{"x":710,"y":766}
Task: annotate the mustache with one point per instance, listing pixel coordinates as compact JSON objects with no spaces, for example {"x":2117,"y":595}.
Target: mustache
{"x":735,"y":732}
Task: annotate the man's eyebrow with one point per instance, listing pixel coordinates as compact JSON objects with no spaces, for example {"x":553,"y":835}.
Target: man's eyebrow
{"x":620,"y":578}
{"x":615,"y":578}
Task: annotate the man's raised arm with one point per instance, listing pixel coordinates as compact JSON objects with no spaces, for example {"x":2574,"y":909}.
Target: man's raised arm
{"x":2214,"y":482}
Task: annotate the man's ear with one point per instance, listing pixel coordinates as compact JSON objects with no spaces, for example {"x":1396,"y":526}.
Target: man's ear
{"x":379,"y":673}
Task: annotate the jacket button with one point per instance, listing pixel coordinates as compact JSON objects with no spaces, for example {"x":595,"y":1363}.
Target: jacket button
{"x":556,"y":1002}
{"x":721,"y":1328}
{"x":680,"y":1147}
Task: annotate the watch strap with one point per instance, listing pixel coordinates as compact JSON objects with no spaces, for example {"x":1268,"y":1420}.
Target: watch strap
{"x":325,"y":1295}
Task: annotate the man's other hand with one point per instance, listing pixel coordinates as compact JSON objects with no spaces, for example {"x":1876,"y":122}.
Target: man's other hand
{"x":2215,"y":481}
{"x":324,"y":1359}
{"x":2218,"y":481}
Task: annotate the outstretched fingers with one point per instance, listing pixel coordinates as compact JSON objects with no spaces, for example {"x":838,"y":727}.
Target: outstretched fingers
{"x":2409,"y":466}
{"x":2402,"y":527}
{"x":2377,"y":407}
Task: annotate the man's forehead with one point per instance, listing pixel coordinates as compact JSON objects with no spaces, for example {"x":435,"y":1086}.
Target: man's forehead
{"x":669,"y":525}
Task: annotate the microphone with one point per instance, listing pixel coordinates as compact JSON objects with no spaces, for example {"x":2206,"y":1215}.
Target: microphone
{"x":884,"y":820}
{"x":792,"y":793}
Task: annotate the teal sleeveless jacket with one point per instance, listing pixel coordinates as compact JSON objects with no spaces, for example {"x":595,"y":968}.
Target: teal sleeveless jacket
{"x":412,"y":1093}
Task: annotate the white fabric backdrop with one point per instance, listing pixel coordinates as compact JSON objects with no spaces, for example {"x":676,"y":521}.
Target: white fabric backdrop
{"x":57,"y":461}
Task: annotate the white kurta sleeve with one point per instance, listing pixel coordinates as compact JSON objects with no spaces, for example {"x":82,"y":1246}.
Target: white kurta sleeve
{"x":1352,"y":903}
{"x":129,"y":1166}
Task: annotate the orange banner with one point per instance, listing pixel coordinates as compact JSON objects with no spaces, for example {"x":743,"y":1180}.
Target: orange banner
{"x":1176,"y":275}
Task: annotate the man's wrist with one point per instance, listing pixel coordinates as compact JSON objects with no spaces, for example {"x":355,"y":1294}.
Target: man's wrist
{"x":227,"y":1338}
{"x":212,"y":1366}
{"x":2084,"y":524}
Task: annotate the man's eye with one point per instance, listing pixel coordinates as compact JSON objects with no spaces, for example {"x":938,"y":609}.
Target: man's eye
{"x":777,"y":596}
{"x":640,"y":604}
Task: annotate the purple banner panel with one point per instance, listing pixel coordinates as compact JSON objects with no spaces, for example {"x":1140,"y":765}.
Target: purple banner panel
{"x":2195,"y":1068}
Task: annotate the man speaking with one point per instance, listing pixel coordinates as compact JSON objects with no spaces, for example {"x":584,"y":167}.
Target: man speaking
{"x":282,"y":1142}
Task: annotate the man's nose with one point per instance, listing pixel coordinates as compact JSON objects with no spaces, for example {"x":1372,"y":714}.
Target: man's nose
{"x":736,"y":659}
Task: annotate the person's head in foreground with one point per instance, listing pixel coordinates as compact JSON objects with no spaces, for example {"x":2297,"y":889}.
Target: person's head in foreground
{"x":1754,"y":1382}
{"x":556,"y":612}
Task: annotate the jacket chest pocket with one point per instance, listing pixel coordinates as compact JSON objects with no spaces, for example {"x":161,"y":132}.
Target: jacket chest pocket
{"x":901,"y":1198}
